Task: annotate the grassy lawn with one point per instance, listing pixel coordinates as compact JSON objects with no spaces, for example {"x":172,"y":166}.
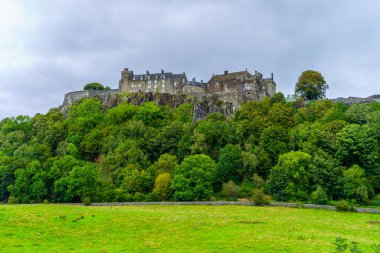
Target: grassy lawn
{"x":58,"y":228}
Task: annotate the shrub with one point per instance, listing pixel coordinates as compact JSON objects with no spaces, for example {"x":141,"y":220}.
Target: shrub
{"x":319,"y":196}
{"x":138,"y":197}
{"x":46,"y":201}
{"x":12,"y":200}
{"x":340,"y":244}
{"x":231,"y":190}
{"x":344,"y":206}
{"x":86,"y":201}
{"x":260,"y":198}
{"x":258,"y":182}
{"x":246,"y":188}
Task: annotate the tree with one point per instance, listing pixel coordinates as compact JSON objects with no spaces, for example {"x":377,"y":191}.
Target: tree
{"x":327,"y":173}
{"x":289,"y":179}
{"x":357,"y":144}
{"x":93,"y":86}
{"x":230,"y":164}
{"x":116,"y":115}
{"x":30,"y":183}
{"x":150,"y":113}
{"x":311,"y":85}
{"x":356,"y":186}
{"x":273,"y":141}
{"x":161,"y":188}
{"x":80,"y":183}
{"x":165,"y":164}
{"x":193,"y":178}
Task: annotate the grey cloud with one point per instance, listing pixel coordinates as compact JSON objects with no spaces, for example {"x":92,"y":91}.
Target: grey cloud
{"x":69,"y":43}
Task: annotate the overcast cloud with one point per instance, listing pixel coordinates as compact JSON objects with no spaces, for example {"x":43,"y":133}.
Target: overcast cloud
{"x":51,"y":47}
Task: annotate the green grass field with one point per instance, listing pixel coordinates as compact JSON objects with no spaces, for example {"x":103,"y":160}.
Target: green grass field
{"x":59,"y":228}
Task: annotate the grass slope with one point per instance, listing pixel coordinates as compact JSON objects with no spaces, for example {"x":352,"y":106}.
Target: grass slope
{"x":59,"y":228}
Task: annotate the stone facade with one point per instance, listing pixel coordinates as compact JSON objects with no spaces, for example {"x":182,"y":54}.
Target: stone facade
{"x":164,"y":82}
{"x":243,"y":84}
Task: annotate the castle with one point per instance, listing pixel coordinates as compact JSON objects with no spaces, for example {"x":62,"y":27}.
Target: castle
{"x":227,"y":89}
{"x":241,"y":85}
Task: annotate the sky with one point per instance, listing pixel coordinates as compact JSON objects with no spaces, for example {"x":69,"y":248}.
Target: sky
{"x":51,"y":47}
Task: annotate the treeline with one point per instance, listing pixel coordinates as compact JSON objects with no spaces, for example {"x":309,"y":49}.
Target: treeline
{"x":316,"y":152}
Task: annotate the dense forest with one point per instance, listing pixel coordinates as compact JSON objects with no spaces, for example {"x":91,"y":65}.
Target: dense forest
{"x":293,"y":151}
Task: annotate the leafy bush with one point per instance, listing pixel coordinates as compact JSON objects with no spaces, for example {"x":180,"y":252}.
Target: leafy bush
{"x":86,"y":201}
{"x":319,"y":196}
{"x":340,"y":244}
{"x":12,"y":200}
{"x":46,"y":201}
{"x":138,"y":197}
{"x":258,"y":182}
{"x":344,"y":206}
{"x":231,"y":190}
{"x":260,"y":198}
{"x":246,"y":188}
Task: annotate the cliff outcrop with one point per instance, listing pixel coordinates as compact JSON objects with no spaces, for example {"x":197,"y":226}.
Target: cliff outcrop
{"x":204,"y":104}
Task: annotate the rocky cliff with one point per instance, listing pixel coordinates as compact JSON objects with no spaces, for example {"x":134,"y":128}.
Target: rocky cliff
{"x":203,"y":103}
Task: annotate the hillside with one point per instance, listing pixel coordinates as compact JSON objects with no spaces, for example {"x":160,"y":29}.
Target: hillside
{"x":317,"y":152}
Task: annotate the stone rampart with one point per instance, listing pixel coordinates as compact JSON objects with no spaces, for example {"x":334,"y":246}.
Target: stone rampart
{"x":354,"y":100}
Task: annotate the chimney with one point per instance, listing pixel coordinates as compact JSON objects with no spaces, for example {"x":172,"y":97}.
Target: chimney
{"x":201,"y":81}
{"x":162,"y":71}
{"x":147,"y":72}
{"x":226,"y":72}
{"x":271,"y":75}
{"x":255,"y":72}
{"x":193,"y":79}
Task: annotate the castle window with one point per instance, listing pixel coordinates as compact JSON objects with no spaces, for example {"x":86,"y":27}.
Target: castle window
{"x":163,"y":76}
{"x":155,"y":81}
{"x":139,"y":85}
{"x":134,"y":78}
{"x":149,"y":82}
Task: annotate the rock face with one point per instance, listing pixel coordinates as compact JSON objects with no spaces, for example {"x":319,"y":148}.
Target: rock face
{"x":109,"y":98}
{"x":203,"y":103}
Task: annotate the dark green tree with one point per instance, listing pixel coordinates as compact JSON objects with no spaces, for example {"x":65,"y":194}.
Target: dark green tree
{"x":289,"y":179}
{"x":230,"y":164}
{"x":30,"y":183}
{"x":93,"y":86}
{"x":356,"y":186}
{"x":193,"y":178}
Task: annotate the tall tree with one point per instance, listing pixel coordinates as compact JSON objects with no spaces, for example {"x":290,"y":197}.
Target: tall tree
{"x":311,"y":85}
